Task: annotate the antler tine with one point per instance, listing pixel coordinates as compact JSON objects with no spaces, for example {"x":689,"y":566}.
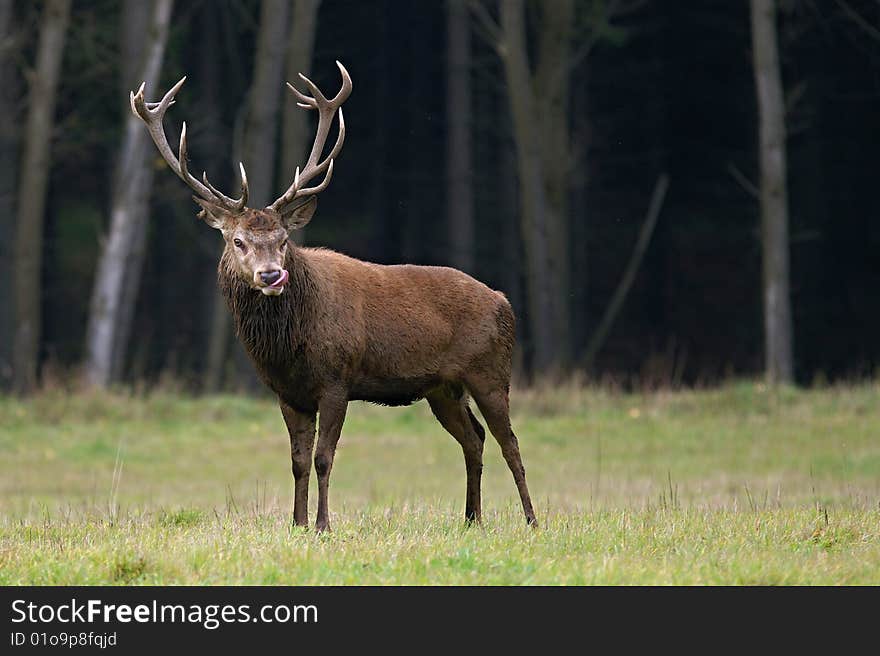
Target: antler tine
{"x":293,"y":191}
{"x":306,"y":102}
{"x":317,"y":189}
{"x":317,"y":169}
{"x":345,"y":91}
{"x":152,"y":114}
{"x":338,"y":145}
{"x":154,"y":109}
{"x":244,"y":185}
{"x":208,"y":184}
{"x":231,"y":203}
{"x":319,"y":99}
{"x":314,"y":165}
{"x":317,"y":96}
{"x":181,"y":153}
{"x":328,"y":161}
{"x":132,"y":95}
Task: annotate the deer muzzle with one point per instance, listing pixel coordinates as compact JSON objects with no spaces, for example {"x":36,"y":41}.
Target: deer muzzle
{"x":273,"y":281}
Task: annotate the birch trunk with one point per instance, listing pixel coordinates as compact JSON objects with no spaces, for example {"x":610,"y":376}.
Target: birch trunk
{"x":118,"y":273}
{"x":136,"y":14}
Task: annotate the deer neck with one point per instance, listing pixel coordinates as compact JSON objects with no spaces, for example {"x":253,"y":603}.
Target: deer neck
{"x":271,"y":328}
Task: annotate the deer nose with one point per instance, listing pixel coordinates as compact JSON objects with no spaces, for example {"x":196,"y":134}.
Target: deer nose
{"x":270,"y":277}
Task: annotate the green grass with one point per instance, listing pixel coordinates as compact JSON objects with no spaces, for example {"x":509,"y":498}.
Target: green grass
{"x":739,"y":485}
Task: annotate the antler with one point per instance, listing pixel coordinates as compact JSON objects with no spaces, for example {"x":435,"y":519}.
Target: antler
{"x":326,"y":110}
{"x":152,"y":113}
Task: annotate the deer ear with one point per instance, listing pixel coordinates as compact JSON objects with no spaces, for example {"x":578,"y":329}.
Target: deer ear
{"x":214,"y":215}
{"x":297,"y":217}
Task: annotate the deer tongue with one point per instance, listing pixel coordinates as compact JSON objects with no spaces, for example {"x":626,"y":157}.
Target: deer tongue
{"x":282,"y":280}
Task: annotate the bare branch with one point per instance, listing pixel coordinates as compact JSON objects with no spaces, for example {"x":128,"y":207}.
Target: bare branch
{"x":612,"y":9}
{"x":489,"y":27}
{"x":859,"y":20}
{"x":629,"y":275}
{"x":750,"y":187}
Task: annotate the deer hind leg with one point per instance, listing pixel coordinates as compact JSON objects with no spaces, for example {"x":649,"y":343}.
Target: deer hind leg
{"x":494,"y":405}
{"x":331,"y":413}
{"x":301,"y":426}
{"x":452,"y":411}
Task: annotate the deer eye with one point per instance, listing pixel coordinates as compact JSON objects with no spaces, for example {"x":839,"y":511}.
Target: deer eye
{"x":238,"y":242}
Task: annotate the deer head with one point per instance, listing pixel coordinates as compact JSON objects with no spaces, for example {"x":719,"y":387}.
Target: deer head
{"x":256,"y":239}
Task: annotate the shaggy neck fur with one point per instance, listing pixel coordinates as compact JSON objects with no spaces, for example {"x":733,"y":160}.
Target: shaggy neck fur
{"x":271,"y":328}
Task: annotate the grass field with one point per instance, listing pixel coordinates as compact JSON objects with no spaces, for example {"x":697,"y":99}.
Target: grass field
{"x":738,"y":485}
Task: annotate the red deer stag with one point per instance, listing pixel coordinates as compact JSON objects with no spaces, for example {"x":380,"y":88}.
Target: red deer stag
{"x":323,"y":329}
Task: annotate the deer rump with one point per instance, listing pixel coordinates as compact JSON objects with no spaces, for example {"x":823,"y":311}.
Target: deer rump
{"x":387,"y":334}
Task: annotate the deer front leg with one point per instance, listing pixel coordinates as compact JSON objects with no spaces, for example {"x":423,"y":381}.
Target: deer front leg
{"x":301,"y":426}
{"x":331,"y":409}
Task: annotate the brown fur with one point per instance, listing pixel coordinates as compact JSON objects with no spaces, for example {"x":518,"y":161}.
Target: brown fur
{"x":386,"y":334}
{"x":345,"y":330}
{"x":338,"y":329}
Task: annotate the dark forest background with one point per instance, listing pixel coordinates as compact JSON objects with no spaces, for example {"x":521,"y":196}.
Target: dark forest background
{"x":655,"y":88}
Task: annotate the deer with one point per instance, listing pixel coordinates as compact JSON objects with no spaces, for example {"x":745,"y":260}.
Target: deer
{"x":323,"y":329}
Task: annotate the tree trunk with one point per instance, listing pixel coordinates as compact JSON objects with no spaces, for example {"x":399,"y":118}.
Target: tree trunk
{"x":261,"y":126}
{"x":774,"y":203}
{"x":9,"y":142}
{"x":295,"y":129}
{"x":218,"y":345}
{"x":459,"y":176}
{"x":261,"y":129}
{"x":552,"y":99}
{"x":214,"y":76}
{"x":118,"y":274}
{"x":538,"y":218}
{"x":136,"y":14}
{"x":32,"y":194}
